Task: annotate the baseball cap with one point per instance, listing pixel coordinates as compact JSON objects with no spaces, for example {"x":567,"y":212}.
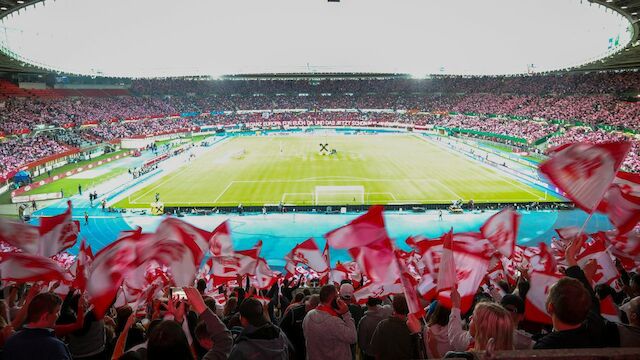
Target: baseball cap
{"x":346,"y":291}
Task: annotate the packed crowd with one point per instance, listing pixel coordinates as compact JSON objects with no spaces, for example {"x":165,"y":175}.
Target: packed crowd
{"x":529,"y":130}
{"x":585,"y":134}
{"x":15,"y":153}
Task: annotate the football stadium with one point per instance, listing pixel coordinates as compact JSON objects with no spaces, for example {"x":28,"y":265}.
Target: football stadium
{"x":312,"y":179}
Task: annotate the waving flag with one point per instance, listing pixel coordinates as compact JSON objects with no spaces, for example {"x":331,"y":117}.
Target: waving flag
{"x":368,"y":228}
{"x":597,"y":251}
{"x":57,"y":233}
{"x":376,"y":260}
{"x":309,"y":254}
{"x":609,"y":310}
{"x":447,"y":272}
{"x":501,"y":230}
{"x":585,"y":171}
{"x":23,"y":267}
{"x":264,"y":276}
{"x":376,"y":290}
{"x":535,"y":305}
{"x":220,"y":242}
{"x":243,"y":262}
{"x":409,"y":285}
{"x":621,"y":202}
{"x":81,"y":266}
{"x":23,"y":236}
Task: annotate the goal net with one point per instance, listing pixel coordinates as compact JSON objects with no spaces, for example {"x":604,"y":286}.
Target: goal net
{"x":339,"y":195}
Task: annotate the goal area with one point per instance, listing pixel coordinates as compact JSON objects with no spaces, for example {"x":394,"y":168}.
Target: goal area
{"x":338,"y":195}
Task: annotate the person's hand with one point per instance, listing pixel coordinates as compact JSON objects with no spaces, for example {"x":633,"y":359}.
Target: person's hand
{"x":573,"y":249}
{"x":195,"y":299}
{"x":179,"y":314}
{"x":413,"y":323}
{"x":343,"y":308}
{"x":455,"y":298}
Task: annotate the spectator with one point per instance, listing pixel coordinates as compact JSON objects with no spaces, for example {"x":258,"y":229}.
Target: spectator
{"x":515,"y":305}
{"x":259,"y":338}
{"x":436,"y":337}
{"x":37,"y":339}
{"x":392,"y":338}
{"x":291,"y":324}
{"x":329,"y":329}
{"x":374,"y":314}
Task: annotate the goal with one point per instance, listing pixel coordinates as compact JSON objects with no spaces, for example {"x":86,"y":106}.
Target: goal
{"x":339,"y":195}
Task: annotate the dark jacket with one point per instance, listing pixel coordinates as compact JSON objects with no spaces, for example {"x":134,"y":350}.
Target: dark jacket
{"x":595,"y":331}
{"x":291,"y":324}
{"x":264,"y":342}
{"x":35,"y":344}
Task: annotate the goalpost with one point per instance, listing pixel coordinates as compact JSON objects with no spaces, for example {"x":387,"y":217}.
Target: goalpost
{"x":337,"y":195}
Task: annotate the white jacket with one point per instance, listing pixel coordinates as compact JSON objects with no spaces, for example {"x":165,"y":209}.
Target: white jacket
{"x":328,"y":337}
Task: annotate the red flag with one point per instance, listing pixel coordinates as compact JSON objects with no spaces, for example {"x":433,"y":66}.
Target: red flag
{"x":501,"y":230}
{"x":625,"y":247}
{"x":23,"y":267}
{"x":308,"y":254}
{"x":609,"y":310}
{"x":365,"y":229}
{"x":409,"y":284}
{"x":621,"y":202}
{"x":585,"y":171}
{"x":220,"y":243}
{"x":23,"y":236}
{"x":57,"y":233}
{"x":376,"y":290}
{"x":81,"y":266}
{"x":535,"y":308}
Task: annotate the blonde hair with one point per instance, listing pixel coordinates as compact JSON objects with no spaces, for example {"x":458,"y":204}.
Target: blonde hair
{"x":492,"y":321}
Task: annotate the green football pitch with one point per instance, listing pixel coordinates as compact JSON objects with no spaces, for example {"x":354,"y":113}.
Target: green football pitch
{"x":367,"y":169}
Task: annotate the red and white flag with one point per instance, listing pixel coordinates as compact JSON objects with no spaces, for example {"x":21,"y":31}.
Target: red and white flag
{"x":23,"y":267}
{"x":409,"y":285}
{"x":264,"y":276}
{"x":243,"y":262}
{"x":471,"y":266}
{"x":57,"y":233}
{"x":309,"y":254}
{"x":585,"y":171}
{"x":23,"y":236}
{"x":196,"y":243}
{"x":606,"y":269}
{"x":220,"y":243}
{"x":376,"y":260}
{"x":621,"y":202}
{"x":376,"y":290}
{"x":624,"y":247}
{"x":368,"y":228}
{"x":447,"y":272}
{"x":501,"y":230}
{"x":535,"y":305}
{"x":81,"y":267}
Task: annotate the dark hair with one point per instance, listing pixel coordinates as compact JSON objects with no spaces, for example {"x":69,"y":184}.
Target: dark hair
{"x":440,"y":316}
{"x":299,"y":297}
{"x":211,"y":303}
{"x":168,"y":341}
{"x":373,"y":301}
{"x":571,"y":301}
{"x":41,"y":304}
{"x":251,"y":310}
{"x":201,"y":285}
{"x":327,"y":292}
{"x":122,"y":314}
{"x":400,"y":305}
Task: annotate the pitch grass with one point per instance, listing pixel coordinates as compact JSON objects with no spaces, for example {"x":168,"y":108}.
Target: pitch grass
{"x":393,"y":169}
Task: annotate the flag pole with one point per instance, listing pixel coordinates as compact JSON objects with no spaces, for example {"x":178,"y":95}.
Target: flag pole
{"x":584,"y":225}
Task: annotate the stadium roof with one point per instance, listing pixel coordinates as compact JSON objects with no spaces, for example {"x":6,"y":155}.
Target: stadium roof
{"x":626,"y":58}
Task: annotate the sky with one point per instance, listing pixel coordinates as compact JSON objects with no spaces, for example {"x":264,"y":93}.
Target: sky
{"x":156,"y":38}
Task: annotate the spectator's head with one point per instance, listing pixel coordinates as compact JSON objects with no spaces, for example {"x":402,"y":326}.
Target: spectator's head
{"x":201,"y":286}
{"x":327,"y":294}
{"x":491,"y":321}
{"x":568,"y":302}
{"x":634,"y":311}
{"x":203,"y":336}
{"x":440,"y":316}
{"x":515,"y":306}
{"x":44,"y":310}
{"x":400,"y":306}
{"x":252,"y":313}
{"x":311,"y":302}
{"x":168,"y":341}
{"x":373,"y":302}
{"x":230,"y":306}
{"x":298,"y":297}
{"x":346,"y":292}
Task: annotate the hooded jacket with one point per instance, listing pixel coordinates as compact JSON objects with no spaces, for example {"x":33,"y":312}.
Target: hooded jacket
{"x":328,"y":336}
{"x":367,"y":326}
{"x":264,"y":342}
